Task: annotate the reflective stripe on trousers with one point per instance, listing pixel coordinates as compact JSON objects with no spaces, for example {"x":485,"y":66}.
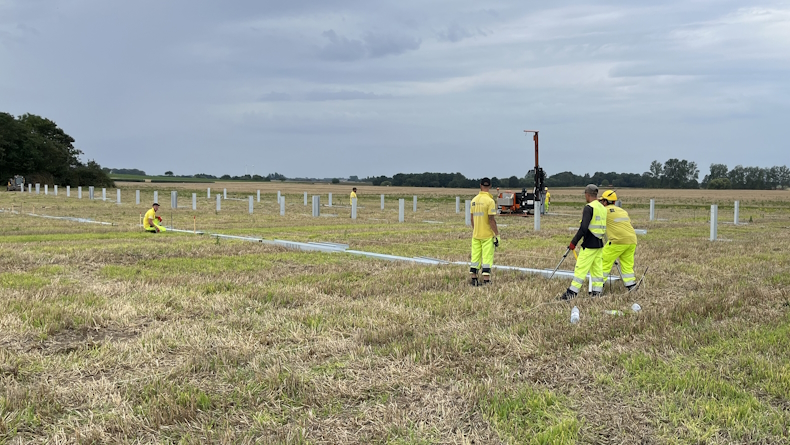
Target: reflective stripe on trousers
{"x":590,"y":260}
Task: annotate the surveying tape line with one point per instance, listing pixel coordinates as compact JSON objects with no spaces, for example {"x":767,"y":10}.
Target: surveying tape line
{"x":62,"y":218}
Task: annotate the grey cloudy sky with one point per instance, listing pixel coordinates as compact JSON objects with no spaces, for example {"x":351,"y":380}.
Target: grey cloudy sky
{"x":352,"y":87}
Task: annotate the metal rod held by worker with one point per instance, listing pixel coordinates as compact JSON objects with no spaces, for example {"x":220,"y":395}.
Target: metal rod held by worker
{"x":560,"y":263}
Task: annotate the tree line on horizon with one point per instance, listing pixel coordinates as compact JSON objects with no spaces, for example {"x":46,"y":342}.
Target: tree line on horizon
{"x":36,"y":148}
{"x":672,"y":174}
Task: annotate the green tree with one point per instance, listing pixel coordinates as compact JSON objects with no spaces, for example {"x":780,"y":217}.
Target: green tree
{"x":335,"y":181}
{"x":720,"y":184}
{"x":168,"y":173}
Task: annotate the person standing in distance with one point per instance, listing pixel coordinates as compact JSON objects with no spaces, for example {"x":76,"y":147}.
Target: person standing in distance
{"x":621,"y":240}
{"x":485,"y":235}
{"x":592,"y":229}
{"x":352,"y":196}
{"x":548,"y":199}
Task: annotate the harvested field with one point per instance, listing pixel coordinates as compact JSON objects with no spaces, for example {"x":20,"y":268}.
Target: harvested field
{"x":110,"y":335}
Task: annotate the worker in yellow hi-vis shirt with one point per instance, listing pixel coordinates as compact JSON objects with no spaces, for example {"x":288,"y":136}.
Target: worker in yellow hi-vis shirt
{"x":151,"y":221}
{"x":592,"y":229}
{"x":621,"y":240}
{"x":352,"y":196}
{"x":485,"y":235}
{"x":548,"y":200}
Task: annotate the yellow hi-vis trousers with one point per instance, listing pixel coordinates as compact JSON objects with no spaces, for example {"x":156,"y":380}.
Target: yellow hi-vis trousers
{"x":625,"y":252}
{"x":590,"y":260}
{"x":152,"y":229}
{"x":482,"y":255}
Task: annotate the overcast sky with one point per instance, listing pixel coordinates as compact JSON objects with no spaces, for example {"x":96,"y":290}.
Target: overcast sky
{"x":337,"y":88}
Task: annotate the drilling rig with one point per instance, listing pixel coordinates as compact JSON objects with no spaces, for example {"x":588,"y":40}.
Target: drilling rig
{"x":524,"y":203}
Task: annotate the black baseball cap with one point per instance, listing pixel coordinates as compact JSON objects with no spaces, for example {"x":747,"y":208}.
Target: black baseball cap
{"x":155,"y":204}
{"x":485,"y":182}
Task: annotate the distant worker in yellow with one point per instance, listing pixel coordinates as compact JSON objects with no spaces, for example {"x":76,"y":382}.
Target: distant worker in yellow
{"x":352,"y":196}
{"x":621,"y":240}
{"x":485,"y":235}
{"x":548,"y":199}
{"x":592,"y":229}
{"x":151,"y":221}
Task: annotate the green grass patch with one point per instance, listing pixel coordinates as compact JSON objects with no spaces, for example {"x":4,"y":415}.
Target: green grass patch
{"x":530,"y":416}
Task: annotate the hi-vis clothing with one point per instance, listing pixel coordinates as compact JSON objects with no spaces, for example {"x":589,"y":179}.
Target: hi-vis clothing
{"x":622,"y":244}
{"x":483,"y":206}
{"x":593,"y":229}
{"x":151,"y":214}
{"x":618,"y":226}
{"x":351,"y":198}
{"x":590,"y":260}
{"x":548,"y":200}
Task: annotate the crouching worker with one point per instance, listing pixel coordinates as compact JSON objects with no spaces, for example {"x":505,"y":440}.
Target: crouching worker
{"x":485,"y":235}
{"x":592,"y":229}
{"x":621,"y":242}
{"x":151,"y":221}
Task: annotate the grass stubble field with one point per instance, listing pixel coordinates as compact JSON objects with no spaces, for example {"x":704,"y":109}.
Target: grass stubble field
{"x":110,"y":335}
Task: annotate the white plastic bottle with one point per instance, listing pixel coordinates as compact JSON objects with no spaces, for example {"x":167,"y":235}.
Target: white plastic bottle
{"x":636,"y":307}
{"x":575,"y":315}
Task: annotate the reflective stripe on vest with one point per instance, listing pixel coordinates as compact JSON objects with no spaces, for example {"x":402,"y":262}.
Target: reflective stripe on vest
{"x":598,"y":222}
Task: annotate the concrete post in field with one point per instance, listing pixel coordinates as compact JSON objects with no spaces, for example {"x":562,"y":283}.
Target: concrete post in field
{"x":401,"y":208}
{"x":382,"y":202}
{"x":278,"y":196}
{"x":117,"y":196}
{"x":156,"y":196}
{"x":415,"y":203}
{"x":618,"y":203}
{"x":652,"y":210}
{"x":137,"y":197}
{"x":316,"y":206}
{"x":38,"y":189}
{"x":714,"y":222}
{"x":90,"y":192}
{"x":68,"y":191}
{"x":737,"y":211}
{"x":467,"y":213}
{"x":30,"y":188}
{"x":282,"y":206}
{"x":46,"y":189}
{"x":305,"y":198}
{"x":457,"y":204}
{"x":79,"y":192}
{"x":173,"y":199}
{"x":259,"y":196}
{"x":354,"y":208}
{"x":194,"y":201}
{"x":224,"y":193}
{"x":330,"y":200}
{"x":103,"y":194}
{"x":537,"y":220}
{"x":250,"y":204}
{"x":208,"y":193}
{"x":219,"y":199}
{"x":56,"y":190}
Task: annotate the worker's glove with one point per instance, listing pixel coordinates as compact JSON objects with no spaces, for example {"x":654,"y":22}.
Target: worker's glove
{"x":572,"y":246}
{"x":496,"y":241}
{"x":159,"y":218}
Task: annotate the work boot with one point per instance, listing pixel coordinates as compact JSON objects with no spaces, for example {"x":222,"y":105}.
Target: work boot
{"x":630,"y":288}
{"x":474,"y":282}
{"x":595,"y":294}
{"x":568,"y":295}
{"x":486,"y":282}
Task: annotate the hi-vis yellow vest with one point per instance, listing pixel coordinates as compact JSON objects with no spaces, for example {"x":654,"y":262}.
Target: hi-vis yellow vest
{"x":618,"y":226}
{"x":598,"y":222}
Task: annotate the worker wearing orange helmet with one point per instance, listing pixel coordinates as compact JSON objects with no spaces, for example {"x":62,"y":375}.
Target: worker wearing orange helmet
{"x":621,"y":240}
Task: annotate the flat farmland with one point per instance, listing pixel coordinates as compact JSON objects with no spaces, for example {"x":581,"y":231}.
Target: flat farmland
{"x":111,"y":335}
